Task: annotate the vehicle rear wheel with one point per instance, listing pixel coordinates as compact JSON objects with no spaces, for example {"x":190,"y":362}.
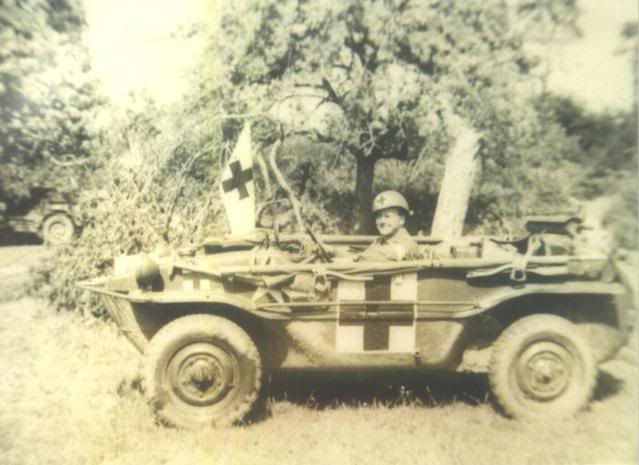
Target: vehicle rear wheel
{"x":541,"y":367}
{"x":201,"y":370}
{"x":57,"y":229}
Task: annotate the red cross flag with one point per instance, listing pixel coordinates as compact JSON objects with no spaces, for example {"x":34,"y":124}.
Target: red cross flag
{"x":236,"y":188}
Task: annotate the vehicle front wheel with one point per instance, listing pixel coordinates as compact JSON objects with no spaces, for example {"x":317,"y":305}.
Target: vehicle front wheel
{"x":541,"y":367}
{"x":201,"y":370}
{"x":57,"y":229}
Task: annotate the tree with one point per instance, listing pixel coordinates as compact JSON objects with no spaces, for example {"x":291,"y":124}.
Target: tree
{"x":606,"y":152}
{"x":607,"y":140}
{"x":382,"y":80}
{"x":462,"y":164}
{"x":47,"y":95}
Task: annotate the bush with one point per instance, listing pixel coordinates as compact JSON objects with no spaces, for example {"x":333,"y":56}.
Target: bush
{"x":160,"y":187}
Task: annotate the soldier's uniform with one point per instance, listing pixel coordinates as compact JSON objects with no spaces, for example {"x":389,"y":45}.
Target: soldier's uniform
{"x":400,"y":246}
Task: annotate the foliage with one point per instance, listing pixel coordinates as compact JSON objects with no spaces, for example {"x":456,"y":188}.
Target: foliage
{"x":546,"y":21}
{"x":606,"y":155}
{"x":354,"y":89}
{"x":382,"y":80}
{"x":621,"y":220}
{"x":607,"y":140}
{"x":630,"y":44}
{"x":47,"y":97}
{"x":159,"y":189}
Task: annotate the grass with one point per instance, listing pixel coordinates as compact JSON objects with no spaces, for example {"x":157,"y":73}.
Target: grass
{"x":68,"y":396}
{"x":15,"y":262}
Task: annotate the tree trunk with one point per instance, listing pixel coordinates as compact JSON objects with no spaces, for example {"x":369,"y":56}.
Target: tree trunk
{"x":364,"y":194}
{"x":462,"y":163}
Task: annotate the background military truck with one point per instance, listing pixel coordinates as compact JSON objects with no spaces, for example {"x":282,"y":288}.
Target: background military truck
{"x":47,"y":213}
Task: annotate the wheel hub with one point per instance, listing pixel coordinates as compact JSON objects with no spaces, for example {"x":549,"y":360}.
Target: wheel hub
{"x":202,"y":374}
{"x":58,"y":231}
{"x":544,"y":371}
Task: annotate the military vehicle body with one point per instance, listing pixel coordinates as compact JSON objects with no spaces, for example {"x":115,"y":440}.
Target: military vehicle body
{"x":47,"y":213}
{"x":535,"y":314}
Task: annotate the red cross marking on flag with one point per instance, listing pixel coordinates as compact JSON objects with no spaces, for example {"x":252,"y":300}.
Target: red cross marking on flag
{"x":238,"y":180}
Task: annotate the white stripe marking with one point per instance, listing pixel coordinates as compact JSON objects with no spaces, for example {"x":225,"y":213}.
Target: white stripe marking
{"x":404,"y":287}
{"x":401,"y":338}
{"x":351,"y":290}
{"x":350,"y":339}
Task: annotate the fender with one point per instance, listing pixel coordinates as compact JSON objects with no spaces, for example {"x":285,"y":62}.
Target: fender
{"x":573,"y":288}
{"x":197,"y":297}
{"x":488,"y":301}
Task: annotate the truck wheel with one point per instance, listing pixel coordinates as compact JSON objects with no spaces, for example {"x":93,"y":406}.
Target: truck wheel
{"x":201,"y":370}
{"x":57,"y":229}
{"x":541,"y":367}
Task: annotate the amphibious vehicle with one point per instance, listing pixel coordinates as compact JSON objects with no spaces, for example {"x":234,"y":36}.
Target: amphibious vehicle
{"x":536,"y":314}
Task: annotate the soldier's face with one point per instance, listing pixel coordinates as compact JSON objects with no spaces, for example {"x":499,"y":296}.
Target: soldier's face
{"x":388,"y":221}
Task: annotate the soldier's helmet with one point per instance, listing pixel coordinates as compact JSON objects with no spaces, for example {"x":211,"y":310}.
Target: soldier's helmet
{"x":388,"y":199}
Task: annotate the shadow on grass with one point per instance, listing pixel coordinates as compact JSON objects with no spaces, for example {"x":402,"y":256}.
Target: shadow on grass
{"x":607,"y":386}
{"x":325,"y":390}
{"x":321,"y":390}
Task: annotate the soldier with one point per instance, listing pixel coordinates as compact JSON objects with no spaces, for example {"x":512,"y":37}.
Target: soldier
{"x":391,"y":209}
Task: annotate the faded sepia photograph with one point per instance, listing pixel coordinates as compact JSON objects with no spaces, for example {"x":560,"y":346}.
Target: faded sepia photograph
{"x":320,"y":232}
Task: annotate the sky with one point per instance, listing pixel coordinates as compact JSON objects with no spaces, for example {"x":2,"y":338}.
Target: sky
{"x":134,"y":49}
{"x":589,"y":68}
{"x":133,"y":45}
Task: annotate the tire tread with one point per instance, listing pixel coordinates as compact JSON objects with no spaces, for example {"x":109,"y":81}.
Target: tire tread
{"x":520,"y":329}
{"x":226,"y":330}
